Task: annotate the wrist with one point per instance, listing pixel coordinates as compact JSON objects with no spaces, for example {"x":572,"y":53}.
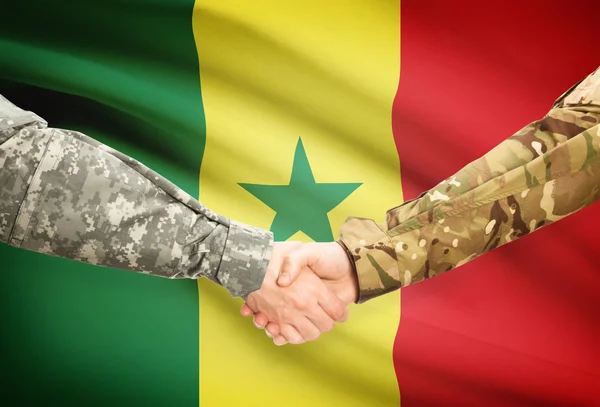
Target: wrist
{"x":245,"y":259}
{"x":351,"y":286}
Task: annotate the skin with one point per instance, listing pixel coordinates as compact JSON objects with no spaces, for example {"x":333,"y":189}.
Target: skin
{"x":307,"y":289}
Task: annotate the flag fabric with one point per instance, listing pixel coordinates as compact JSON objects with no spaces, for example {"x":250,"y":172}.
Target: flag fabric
{"x":126,"y":74}
{"x":360,"y":103}
{"x":282,"y":113}
{"x":517,"y":326}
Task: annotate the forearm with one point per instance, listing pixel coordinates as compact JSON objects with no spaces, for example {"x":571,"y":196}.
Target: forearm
{"x":541,"y":174}
{"x":68,"y":195}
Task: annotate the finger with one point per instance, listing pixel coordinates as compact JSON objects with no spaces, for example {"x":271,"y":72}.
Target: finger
{"x":291,"y":335}
{"x":256,"y":324}
{"x":290,"y":269}
{"x":274,"y":266}
{"x":345,"y":313}
{"x":321,"y":320}
{"x":333,"y":306}
{"x":272,"y":329}
{"x":345,"y":316}
{"x":246,"y":311}
{"x":292,"y":265}
{"x":307,"y":330}
{"x":261,"y":320}
{"x":280,"y":340}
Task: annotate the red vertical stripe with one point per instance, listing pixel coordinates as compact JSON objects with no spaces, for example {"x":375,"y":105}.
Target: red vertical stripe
{"x":519,"y":326}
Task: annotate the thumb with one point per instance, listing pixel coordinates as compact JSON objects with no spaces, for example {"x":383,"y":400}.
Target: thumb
{"x":292,"y":265}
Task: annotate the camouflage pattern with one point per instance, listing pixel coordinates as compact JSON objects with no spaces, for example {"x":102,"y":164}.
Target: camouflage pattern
{"x":65,"y":194}
{"x":543,"y":173}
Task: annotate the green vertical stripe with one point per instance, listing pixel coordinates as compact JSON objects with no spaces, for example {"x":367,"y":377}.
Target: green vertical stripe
{"x":126,"y":73}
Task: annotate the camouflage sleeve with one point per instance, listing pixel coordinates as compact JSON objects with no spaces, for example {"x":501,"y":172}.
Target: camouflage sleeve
{"x":65,"y":194}
{"x":546,"y":171}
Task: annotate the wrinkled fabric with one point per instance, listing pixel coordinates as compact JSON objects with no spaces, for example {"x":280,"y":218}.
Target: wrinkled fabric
{"x":65,"y":194}
{"x":543,"y":173}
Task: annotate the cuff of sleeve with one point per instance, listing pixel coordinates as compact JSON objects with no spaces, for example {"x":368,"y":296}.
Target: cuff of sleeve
{"x":245,"y":259}
{"x":374,"y":257}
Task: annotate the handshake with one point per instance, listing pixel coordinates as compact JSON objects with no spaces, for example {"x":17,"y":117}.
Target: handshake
{"x":306,"y":290}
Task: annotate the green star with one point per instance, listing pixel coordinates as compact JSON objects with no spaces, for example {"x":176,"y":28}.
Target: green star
{"x":303,"y":204}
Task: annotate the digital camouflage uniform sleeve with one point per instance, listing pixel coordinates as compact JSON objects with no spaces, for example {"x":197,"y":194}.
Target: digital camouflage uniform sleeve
{"x":543,"y":173}
{"x":65,"y":194}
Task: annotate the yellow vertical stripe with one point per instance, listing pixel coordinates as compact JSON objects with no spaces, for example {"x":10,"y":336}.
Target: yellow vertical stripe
{"x":273,"y":71}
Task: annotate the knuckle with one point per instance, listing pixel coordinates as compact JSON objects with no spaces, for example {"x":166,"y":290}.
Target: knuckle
{"x":301,"y":303}
{"x":314,"y":290}
{"x":285,"y":313}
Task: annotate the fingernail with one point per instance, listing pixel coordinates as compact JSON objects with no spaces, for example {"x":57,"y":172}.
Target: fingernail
{"x":284,"y":278}
{"x":256,"y":325}
{"x":268,"y":334}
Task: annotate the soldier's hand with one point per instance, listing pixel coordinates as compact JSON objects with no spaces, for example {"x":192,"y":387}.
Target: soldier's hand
{"x":304,"y":309}
{"x":329,"y":262}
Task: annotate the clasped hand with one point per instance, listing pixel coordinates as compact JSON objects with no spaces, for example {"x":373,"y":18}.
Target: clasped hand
{"x":307,"y":290}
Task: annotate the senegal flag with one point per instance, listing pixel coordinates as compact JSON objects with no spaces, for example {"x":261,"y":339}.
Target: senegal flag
{"x":364,"y":103}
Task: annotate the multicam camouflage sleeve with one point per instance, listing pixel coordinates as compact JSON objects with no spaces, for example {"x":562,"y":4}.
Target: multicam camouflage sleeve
{"x":543,"y":173}
{"x":65,"y":194}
